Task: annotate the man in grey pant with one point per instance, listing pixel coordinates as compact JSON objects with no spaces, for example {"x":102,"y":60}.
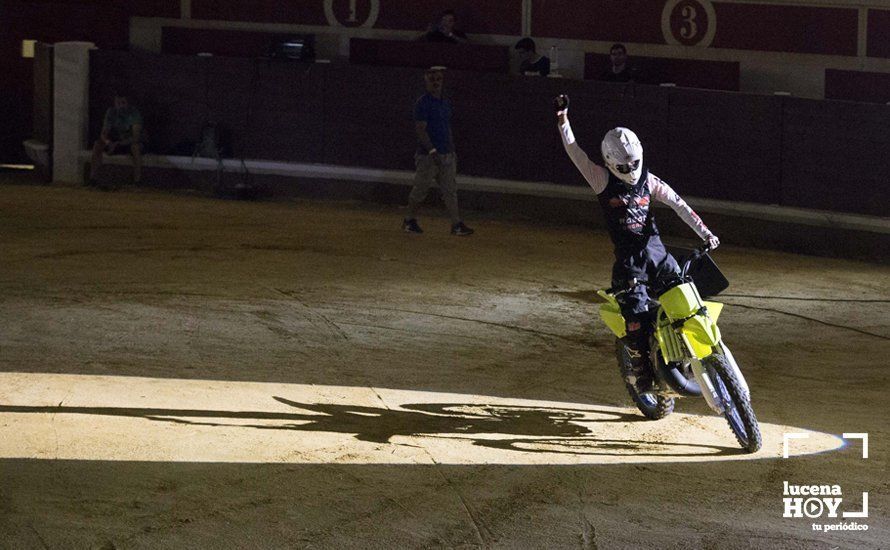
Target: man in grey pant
{"x":435,"y":158}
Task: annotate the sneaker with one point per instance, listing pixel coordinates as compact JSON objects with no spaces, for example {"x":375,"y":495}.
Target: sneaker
{"x":410,"y":226}
{"x":461,"y":230}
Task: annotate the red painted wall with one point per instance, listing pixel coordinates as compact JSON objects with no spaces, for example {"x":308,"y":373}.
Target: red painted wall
{"x":489,"y":17}
{"x":609,"y":20}
{"x":473,"y":17}
{"x":796,"y":29}
{"x":260,"y":11}
{"x":759,"y":27}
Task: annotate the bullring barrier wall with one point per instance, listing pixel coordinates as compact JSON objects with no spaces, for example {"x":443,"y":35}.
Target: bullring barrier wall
{"x":720,"y":145}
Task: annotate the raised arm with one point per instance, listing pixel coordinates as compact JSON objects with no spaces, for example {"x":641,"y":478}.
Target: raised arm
{"x":596,"y":175}
{"x":663,"y":193}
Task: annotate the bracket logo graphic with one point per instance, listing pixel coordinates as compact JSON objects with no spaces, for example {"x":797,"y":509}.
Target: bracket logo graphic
{"x":816,"y":501}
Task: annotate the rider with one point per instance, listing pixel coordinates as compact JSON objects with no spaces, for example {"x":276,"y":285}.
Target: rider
{"x":625,"y":192}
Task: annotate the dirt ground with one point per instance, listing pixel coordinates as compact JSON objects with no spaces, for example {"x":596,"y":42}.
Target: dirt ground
{"x":182,"y":372}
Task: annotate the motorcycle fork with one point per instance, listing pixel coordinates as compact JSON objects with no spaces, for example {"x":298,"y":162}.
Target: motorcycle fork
{"x":709,"y":392}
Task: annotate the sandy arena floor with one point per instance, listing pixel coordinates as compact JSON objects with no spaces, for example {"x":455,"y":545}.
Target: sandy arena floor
{"x":181,"y":372}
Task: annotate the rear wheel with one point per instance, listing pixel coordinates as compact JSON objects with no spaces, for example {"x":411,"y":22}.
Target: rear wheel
{"x":736,"y":407}
{"x":652,"y":405}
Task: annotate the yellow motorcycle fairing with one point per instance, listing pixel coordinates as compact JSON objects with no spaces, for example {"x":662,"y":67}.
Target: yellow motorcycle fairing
{"x":610,"y":312}
{"x":699,"y":332}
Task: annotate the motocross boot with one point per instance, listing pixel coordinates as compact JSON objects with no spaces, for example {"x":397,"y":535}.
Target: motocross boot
{"x":636,"y":367}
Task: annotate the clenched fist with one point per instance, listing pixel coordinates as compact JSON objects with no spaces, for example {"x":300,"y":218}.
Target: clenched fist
{"x":713,"y":242}
{"x":561,"y":103}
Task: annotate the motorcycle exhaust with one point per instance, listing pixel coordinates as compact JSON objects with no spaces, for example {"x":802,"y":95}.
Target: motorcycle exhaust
{"x":676,"y":381}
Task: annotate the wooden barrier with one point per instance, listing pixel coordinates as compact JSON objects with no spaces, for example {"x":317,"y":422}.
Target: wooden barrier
{"x":708,"y":144}
{"x":834,"y":156}
{"x":689,"y":73}
{"x":234,"y":43}
{"x":416,"y":53}
{"x":857,"y":86}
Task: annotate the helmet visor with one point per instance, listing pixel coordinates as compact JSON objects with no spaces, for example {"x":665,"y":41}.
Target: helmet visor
{"x":628,"y":168}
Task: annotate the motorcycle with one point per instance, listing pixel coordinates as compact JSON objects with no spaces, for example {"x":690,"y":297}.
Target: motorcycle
{"x":687,"y":353}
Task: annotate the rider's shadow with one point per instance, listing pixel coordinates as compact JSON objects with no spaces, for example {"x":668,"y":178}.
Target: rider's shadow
{"x":528,"y":429}
{"x":380,"y":424}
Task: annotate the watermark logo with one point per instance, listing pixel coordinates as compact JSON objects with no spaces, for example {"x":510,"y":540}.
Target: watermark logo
{"x":823,"y":502}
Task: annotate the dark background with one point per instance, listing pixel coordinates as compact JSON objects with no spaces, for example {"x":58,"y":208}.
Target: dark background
{"x":788,"y":151}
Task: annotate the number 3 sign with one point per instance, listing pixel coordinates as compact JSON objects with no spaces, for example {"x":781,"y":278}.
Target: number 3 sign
{"x":689,"y":22}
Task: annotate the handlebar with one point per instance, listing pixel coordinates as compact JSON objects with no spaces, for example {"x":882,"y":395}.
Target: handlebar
{"x":696,"y":254}
{"x":684,"y":269}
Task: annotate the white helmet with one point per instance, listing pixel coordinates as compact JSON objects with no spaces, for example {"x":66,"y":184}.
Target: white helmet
{"x":623,"y":155}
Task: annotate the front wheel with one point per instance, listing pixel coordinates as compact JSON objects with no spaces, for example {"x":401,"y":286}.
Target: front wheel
{"x":736,"y":407}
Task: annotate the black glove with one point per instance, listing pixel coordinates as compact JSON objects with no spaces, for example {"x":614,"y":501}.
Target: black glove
{"x":561,"y":103}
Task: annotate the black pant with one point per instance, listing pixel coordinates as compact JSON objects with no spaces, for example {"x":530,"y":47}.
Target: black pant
{"x":648,"y":263}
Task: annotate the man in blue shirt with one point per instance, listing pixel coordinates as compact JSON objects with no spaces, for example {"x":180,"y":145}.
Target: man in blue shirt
{"x":435,"y":159}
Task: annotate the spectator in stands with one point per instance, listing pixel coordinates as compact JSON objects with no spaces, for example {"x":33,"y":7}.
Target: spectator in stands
{"x":532,"y":62}
{"x":121,"y":134}
{"x":444,"y":30}
{"x":619,"y":70}
{"x":435,"y":158}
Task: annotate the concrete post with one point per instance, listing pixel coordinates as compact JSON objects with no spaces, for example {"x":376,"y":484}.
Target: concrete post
{"x":71,"y":92}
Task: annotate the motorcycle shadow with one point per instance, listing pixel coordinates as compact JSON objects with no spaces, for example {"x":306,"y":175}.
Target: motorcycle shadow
{"x":586,"y":430}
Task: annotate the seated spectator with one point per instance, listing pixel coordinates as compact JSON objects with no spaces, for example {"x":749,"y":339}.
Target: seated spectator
{"x":532,"y":62}
{"x":121,"y":134}
{"x":444,"y":31}
{"x":620,"y":70}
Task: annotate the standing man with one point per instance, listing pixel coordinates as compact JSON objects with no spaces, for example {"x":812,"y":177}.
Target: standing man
{"x":625,"y":192}
{"x":121,"y":133}
{"x":435,"y":159}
